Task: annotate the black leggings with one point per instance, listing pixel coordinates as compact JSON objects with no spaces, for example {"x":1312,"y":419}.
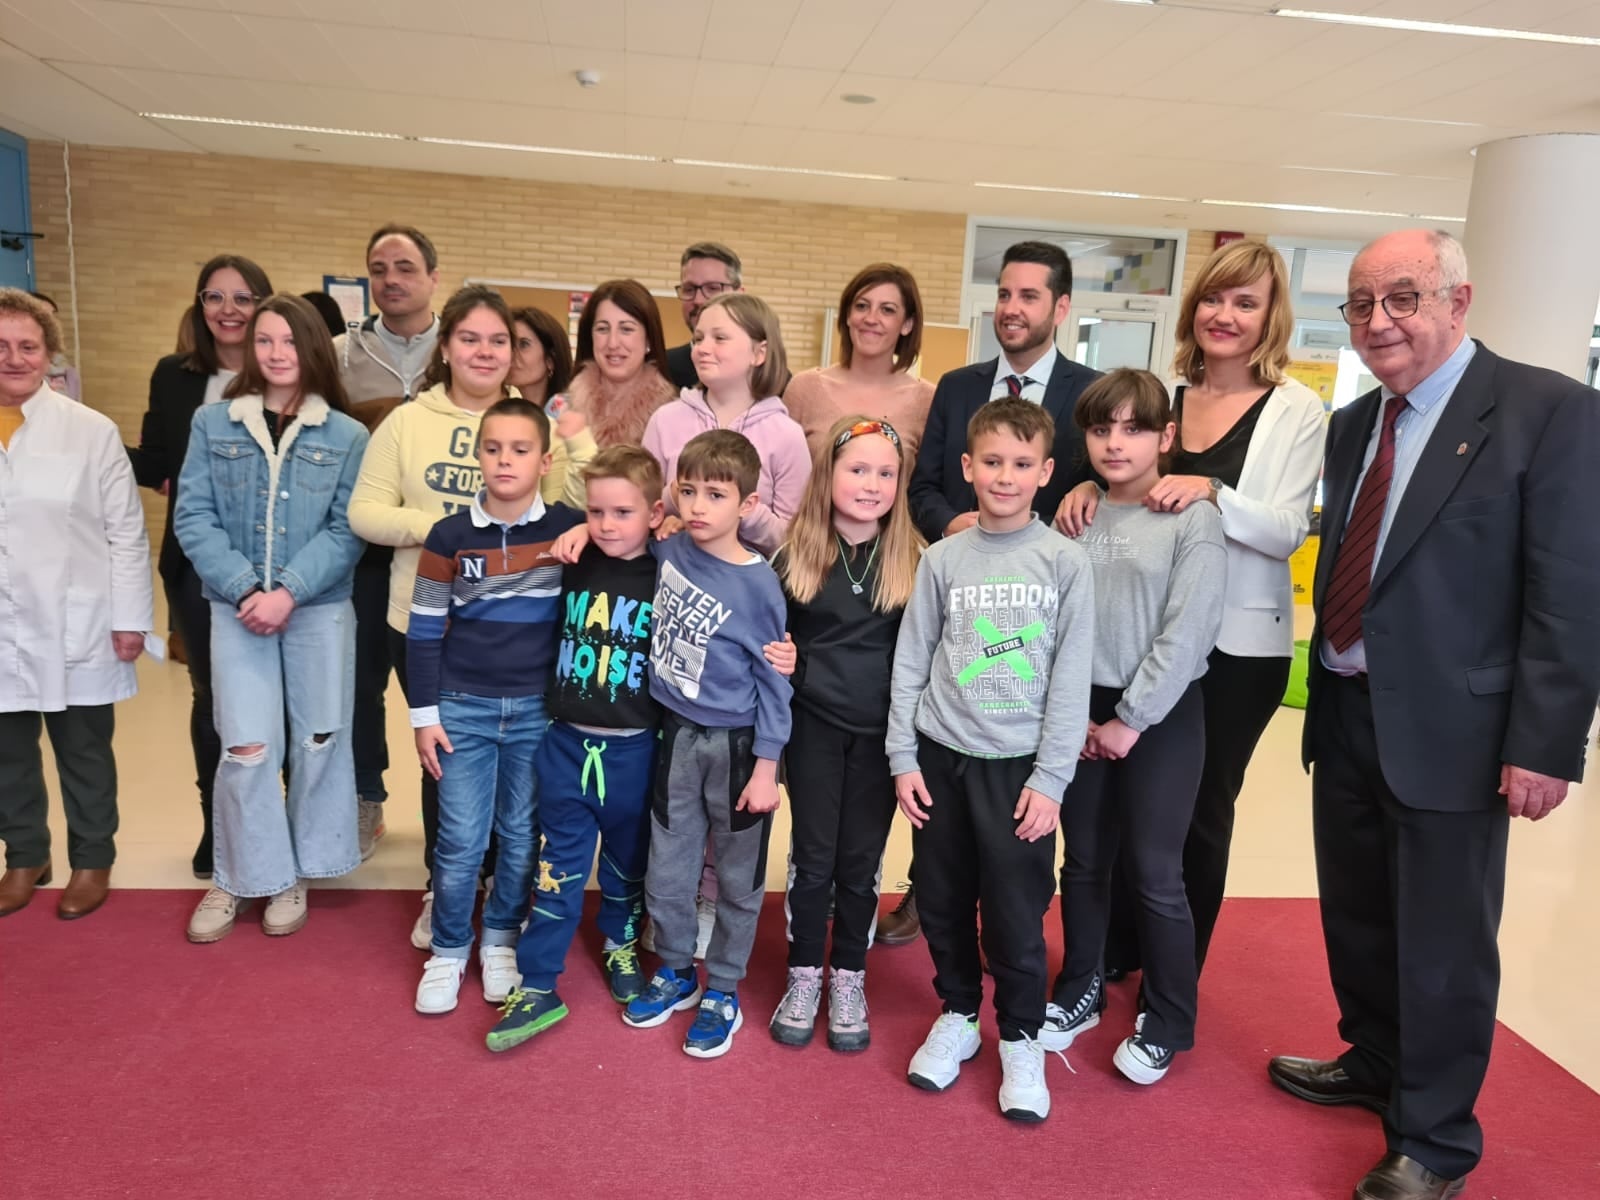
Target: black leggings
{"x":1141,"y":806}
{"x":189,"y":612}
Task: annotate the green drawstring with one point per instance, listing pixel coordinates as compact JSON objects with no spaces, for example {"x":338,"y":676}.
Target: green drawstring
{"x":593,"y":759}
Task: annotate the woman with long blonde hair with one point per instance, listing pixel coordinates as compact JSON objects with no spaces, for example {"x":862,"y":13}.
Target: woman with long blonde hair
{"x":847,"y":571}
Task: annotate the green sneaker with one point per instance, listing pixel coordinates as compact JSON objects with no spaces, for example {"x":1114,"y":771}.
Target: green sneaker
{"x":525,"y":1013}
{"x":622,"y":967}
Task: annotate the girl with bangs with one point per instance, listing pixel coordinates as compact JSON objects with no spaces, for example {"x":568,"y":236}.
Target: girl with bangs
{"x":847,"y":571}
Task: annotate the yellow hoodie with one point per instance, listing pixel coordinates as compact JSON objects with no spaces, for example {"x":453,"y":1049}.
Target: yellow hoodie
{"x":419,"y":467}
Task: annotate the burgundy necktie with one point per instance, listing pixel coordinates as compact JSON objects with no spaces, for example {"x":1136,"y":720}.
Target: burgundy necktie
{"x":1014,"y":385}
{"x":1352,"y":569}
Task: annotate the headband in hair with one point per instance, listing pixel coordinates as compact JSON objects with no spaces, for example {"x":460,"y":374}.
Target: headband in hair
{"x":863,"y":428}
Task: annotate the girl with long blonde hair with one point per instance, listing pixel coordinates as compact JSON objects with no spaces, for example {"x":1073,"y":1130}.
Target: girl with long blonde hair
{"x":847,"y":571}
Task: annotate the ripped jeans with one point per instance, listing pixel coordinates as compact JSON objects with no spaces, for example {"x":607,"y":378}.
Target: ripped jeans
{"x":265,"y":841}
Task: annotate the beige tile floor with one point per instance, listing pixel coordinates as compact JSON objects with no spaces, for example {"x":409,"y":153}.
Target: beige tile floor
{"x":1552,"y":901}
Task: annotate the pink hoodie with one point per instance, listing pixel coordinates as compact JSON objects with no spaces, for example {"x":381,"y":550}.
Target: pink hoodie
{"x":777,"y":437}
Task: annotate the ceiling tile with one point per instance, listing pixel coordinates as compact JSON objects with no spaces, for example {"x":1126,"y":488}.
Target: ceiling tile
{"x":910,"y":35}
{"x":593,"y":23}
{"x":828,"y":34}
{"x":652,"y":27}
{"x":747,"y":33}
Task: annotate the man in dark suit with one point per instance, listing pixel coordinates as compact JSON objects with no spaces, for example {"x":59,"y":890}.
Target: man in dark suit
{"x":1454,"y":671}
{"x":707,"y":270}
{"x":1034,"y":297}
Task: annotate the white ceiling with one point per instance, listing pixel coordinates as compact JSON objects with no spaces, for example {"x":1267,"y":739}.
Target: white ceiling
{"x":1226,"y":102}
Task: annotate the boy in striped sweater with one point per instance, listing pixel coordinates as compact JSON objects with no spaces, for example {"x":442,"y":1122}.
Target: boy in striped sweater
{"x":479,"y":649}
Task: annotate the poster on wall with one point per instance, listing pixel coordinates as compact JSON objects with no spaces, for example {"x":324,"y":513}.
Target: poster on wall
{"x":1318,"y":369}
{"x":350,"y":293}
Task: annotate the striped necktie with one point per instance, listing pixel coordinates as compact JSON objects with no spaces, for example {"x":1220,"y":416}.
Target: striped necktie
{"x":1351,"y":583}
{"x":1015,"y":384}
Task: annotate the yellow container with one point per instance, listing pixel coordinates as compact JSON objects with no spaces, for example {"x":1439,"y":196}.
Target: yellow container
{"x":1303,"y":569}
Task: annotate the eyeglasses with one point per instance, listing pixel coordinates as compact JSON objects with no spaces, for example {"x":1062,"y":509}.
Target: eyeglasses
{"x":1399,"y":306}
{"x":863,"y":428}
{"x":212,"y":300}
{"x":688,"y":291}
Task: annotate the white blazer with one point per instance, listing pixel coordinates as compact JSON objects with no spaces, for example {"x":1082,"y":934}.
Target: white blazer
{"x":1266,"y":519}
{"x":74,"y":561}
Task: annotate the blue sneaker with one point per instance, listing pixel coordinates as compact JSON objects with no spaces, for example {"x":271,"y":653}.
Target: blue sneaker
{"x":711,"y":1035}
{"x":668,"y":992}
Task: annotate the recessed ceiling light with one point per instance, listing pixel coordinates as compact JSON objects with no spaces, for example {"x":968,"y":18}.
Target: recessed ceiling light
{"x":736,"y":166}
{"x":858,"y":98}
{"x":1408,"y":26}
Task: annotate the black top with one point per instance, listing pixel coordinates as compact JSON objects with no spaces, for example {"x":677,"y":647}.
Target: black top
{"x":1224,"y":459}
{"x":176,"y":391}
{"x":844,"y":647}
{"x":604,"y":643}
{"x":680,"y":366}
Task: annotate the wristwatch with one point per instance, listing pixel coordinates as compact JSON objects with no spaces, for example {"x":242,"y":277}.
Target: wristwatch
{"x":1216,"y":488}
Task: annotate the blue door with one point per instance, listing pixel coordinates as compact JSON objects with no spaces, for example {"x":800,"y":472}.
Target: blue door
{"x":16,"y":217}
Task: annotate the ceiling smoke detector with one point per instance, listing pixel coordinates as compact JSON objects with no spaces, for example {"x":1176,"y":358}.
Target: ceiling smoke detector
{"x":587,"y":78}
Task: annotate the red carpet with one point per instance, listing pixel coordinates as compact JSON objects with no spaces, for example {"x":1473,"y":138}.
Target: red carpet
{"x":134,"y":1064}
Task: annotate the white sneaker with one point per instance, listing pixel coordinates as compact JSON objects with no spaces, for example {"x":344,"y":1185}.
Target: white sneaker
{"x":213,"y":917}
{"x":952,"y":1041}
{"x":705,"y":915}
{"x":441,"y":984}
{"x":369,"y":826}
{"x":286,"y":912}
{"x":1140,"y":1060}
{"x":422,"y":931}
{"x":1023,"y":1094}
{"x":498,"y":965}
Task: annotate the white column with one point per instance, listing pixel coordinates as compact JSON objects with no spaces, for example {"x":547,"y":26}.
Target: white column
{"x":1533,"y":248}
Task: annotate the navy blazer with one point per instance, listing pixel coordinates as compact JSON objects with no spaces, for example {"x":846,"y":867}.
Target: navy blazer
{"x":1482,"y":630}
{"x":939,"y":493}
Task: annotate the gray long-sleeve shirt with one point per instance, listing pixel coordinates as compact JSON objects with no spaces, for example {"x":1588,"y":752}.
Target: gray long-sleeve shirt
{"x":1159,"y":580}
{"x":995,"y":652}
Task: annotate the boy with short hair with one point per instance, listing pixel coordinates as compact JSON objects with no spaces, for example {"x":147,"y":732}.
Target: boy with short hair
{"x":989,"y":707}
{"x":479,"y":647}
{"x":596,"y":764}
{"x":726,"y":720}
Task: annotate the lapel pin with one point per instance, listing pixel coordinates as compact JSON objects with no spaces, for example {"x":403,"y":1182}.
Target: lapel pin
{"x":1461,"y":449}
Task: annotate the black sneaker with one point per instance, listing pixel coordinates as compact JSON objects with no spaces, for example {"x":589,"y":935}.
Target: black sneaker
{"x":1062,"y":1026}
{"x":524,"y":1014}
{"x":1141,"y":1060}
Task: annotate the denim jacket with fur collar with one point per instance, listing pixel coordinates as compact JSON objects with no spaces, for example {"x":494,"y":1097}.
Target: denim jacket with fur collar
{"x":249,"y":516}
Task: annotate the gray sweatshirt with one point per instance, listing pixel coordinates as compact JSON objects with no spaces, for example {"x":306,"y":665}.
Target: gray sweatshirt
{"x":995,"y":651}
{"x":1158,"y":585}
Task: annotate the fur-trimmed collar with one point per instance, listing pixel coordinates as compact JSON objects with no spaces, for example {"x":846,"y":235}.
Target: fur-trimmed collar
{"x":618,"y":413}
{"x":250,"y":411}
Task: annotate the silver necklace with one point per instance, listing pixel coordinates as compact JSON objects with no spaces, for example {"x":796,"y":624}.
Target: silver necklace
{"x":844,"y":558}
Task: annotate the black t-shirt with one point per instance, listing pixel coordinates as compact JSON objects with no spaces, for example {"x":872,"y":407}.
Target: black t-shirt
{"x":1223,"y":460}
{"x":603,"y":644}
{"x":844,"y":647}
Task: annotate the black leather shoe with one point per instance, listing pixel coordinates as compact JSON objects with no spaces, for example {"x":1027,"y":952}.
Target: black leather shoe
{"x":1397,"y":1177}
{"x":1322,"y":1083}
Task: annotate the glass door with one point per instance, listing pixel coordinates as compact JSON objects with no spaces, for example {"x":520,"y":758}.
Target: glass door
{"x":1103,"y":337}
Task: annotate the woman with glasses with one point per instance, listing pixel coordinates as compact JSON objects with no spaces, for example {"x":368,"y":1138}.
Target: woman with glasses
{"x":1250,"y":442}
{"x":225,"y":297}
{"x":620,"y":381}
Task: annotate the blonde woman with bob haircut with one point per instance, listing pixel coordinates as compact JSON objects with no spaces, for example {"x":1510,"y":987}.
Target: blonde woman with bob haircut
{"x":880,"y":337}
{"x":847,"y":572}
{"x":738,"y":351}
{"x":1250,"y":442}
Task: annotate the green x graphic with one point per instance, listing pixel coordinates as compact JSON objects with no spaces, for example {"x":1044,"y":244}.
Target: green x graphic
{"x":1013,"y":658}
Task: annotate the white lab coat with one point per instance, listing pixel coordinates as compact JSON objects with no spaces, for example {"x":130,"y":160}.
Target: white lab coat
{"x":74,"y":560}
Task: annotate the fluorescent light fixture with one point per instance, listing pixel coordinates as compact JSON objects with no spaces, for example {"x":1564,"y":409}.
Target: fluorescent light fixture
{"x":1406,"y":26}
{"x":737,"y":166}
{"x":522,"y":149}
{"x":1407,"y":120}
{"x":1323,"y":208}
{"x":1358,"y":171}
{"x":361,"y":133}
{"x":1064,"y":191}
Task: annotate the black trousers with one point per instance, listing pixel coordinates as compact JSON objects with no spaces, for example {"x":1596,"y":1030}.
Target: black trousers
{"x":1139,"y":806}
{"x":841,"y":804}
{"x":369,"y":727}
{"x":1240,"y":695}
{"x":430,"y":786}
{"x":970,"y":865}
{"x":1411,"y":903}
{"x":189,"y":612}
{"x":81,"y":740}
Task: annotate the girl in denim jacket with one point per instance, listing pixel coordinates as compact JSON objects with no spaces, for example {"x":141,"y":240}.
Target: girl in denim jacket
{"x":261,"y":514}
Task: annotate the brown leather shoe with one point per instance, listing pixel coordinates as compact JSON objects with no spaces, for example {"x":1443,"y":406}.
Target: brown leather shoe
{"x":903,"y":926}
{"x":1397,"y":1177}
{"x":85,"y":892}
{"x":1322,"y":1083}
{"x":17,"y":885}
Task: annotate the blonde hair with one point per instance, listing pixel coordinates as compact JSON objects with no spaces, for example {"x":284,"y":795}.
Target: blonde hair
{"x":23,"y":304}
{"x":632,"y":463}
{"x":755,"y":316}
{"x":1236,"y":265}
{"x":812,"y":550}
